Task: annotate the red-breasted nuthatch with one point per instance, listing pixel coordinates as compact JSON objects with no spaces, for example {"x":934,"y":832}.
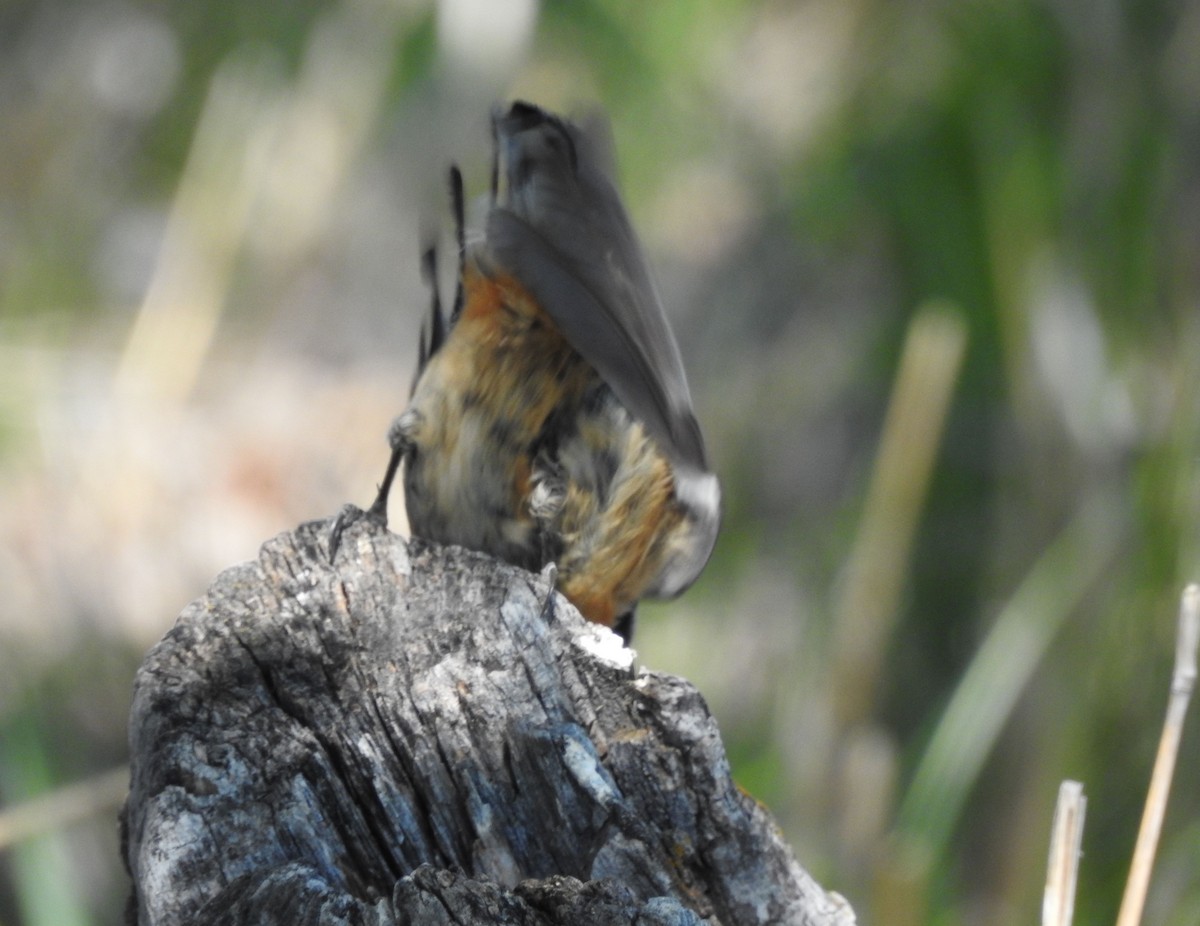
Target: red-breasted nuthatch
{"x":550,"y":421}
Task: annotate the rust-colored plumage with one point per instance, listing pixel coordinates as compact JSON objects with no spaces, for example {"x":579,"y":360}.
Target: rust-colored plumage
{"x":550,"y":420}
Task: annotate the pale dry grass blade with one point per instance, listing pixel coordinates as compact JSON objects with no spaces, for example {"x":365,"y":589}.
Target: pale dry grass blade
{"x":1062,"y":869}
{"x":265,"y":166}
{"x":874,"y":577}
{"x":177,"y":320}
{"x":64,"y":806}
{"x":1183,"y":680}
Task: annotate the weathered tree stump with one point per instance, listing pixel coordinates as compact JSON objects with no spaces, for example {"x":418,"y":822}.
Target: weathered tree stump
{"x":418,"y":734}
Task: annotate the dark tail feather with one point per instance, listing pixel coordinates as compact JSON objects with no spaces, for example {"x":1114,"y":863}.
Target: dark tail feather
{"x":497,"y":115}
{"x":458,"y":207}
{"x":433,"y":329}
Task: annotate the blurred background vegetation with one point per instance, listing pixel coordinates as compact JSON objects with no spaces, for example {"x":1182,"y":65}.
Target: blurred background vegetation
{"x":933,"y":267}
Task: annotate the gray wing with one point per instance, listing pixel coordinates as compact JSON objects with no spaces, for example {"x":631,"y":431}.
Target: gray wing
{"x":559,"y":227}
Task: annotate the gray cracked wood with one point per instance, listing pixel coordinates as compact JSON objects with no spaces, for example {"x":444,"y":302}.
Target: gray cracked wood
{"x":418,"y":734}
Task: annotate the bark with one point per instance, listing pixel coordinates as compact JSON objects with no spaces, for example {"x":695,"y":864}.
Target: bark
{"x":418,"y":734}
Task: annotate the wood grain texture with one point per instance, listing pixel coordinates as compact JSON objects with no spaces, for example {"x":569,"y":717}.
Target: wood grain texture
{"x":419,"y":734}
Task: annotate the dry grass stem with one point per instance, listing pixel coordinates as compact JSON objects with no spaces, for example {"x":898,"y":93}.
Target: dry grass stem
{"x":1182,"y":681}
{"x":875,"y":574}
{"x":63,"y":807}
{"x":1058,"y":903}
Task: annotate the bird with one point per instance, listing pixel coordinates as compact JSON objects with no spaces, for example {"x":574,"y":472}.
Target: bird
{"x":550,"y":422}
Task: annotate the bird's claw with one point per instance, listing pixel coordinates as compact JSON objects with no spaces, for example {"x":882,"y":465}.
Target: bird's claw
{"x":349,"y":515}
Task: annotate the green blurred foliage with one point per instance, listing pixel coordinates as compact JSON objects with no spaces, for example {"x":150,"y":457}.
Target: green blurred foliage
{"x":806,"y":175}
